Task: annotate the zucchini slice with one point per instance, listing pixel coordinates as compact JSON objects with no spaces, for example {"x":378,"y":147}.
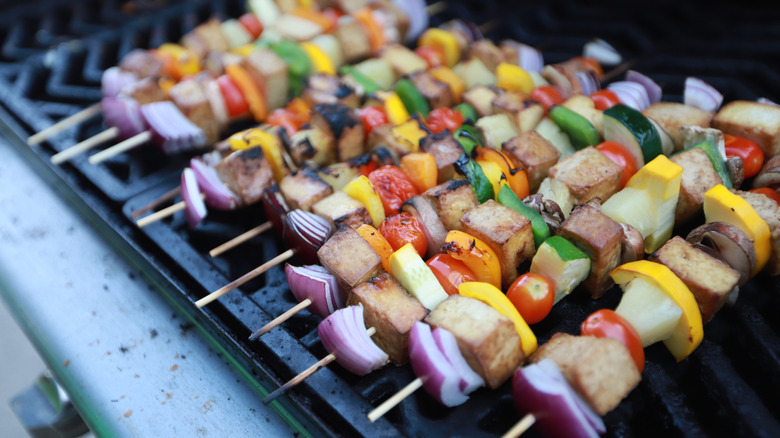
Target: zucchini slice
{"x":630,"y":128}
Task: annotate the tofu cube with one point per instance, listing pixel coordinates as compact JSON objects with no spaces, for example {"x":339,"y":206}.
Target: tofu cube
{"x":246,"y":173}
{"x":269,"y":69}
{"x":698,"y":176}
{"x":350,"y":258}
{"x":403,"y":60}
{"x":481,"y":98}
{"x":445,"y":150}
{"x":322,"y":88}
{"x":451,"y":201}
{"x":312,"y":147}
{"x":343,"y":124}
{"x":353,"y":39}
{"x":524,"y":112}
{"x":303,"y":189}
{"x":486,"y":51}
{"x":437,"y":93}
{"x":532,"y":152}
{"x":589,"y":174}
{"x":671,"y":116}
{"x":341,"y":209}
{"x":758,"y":122}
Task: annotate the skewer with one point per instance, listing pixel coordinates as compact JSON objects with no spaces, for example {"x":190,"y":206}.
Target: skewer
{"x":81,"y":116}
{"x":520,"y":427}
{"x":120,"y":147}
{"x":395,"y":399}
{"x":97,"y":139}
{"x":280,"y":319}
{"x":165,"y":212}
{"x":241,"y":238}
{"x":306,"y":373}
{"x":157,"y":202}
{"x":436,"y":8}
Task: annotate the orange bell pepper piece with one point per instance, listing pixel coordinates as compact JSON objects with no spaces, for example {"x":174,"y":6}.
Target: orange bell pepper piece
{"x":251,"y":91}
{"x":378,"y":242}
{"x":421,"y":168}
{"x":476,"y":255}
{"x":376,"y":36}
{"x":316,"y":17}
{"x":516,"y":178}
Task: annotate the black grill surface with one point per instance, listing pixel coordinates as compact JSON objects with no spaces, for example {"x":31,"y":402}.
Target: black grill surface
{"x":50,"y":66}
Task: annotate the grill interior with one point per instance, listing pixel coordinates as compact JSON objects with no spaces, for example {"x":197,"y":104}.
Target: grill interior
{"x":50,"y":66}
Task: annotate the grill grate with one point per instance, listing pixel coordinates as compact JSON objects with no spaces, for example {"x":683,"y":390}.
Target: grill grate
{"x":726,"y":388}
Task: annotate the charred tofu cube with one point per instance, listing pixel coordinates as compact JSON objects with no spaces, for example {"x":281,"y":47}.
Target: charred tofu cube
{"x":698,"y":176}
{"x":532,"y":152}
{"x":487,"y":339}
{"x":710,"y":280}
{"x":192,"y":101}
{"x":266,"y":67}
{"x":338,"y":175}
{"x":507,"y":232}
{"x":671,"y":116}
{"x":143,"y":63}
{"x":589,"y":174}
{"x":391,"y":311}
{"x":399,"y":139}
{"x":445,"y":150}
{"x":451,"y":201}
{"x":524,"y":112}
{"x":147,"y":90}
{"x":246,"y":173}
{"x":758,"y":122}
{"x":481,"y":98}
{"x":350,"y":258}
{"x":487,"y":52}
{"x":312,"y":147}
{"x":769,"y":211}
{"x":322,"y":88}
{"x":601,"y":370}
{"x":598,"y":236}
{"x":346,"y":128}
{"x":437,"y":93}
{"x":353,"y":39}
{"x":403,"y":60}
{"x":340,"y":209}
{"x":303,"y":189}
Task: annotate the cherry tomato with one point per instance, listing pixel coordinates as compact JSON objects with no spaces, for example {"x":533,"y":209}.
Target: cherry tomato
{"x":620,"y":156}
{"x":393,"y":186}
{"x":290,"y":121}
{"x":434,"y":56}
{"x":769,"y":193}
{"x":604,"y":99}
{"x":606,"y":323}
{"x":444,"y":118}
{"x":403,"y":228}
{"x":547,"y":95}
{"x":372,"y":116}
{"x":751,"y":153}
{"x":234,"y":101}
{"x":252,"y":24}
{"x":450,"y":272}
{"x":533,"y":295}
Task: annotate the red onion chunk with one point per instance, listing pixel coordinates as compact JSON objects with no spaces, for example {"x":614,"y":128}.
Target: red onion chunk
{"x":343,"y":333}
{"x":602,"y":51}
{"x":194,"y":207}
{"x":171,"y":130}
{"x":541,"y":389}
{"x":114,"y":80}
{"x":701,"y":95}
{"x":306,"y":233}
{"x":653,"y":89}
{"x":318,"y":285}
{"x":275,"y":207}
{"x":124,"y":114}
{"x":418,"y":17}
{"x":529,"y":58}
{"x":470,"y":381}
{"x":439,"y":377}
{"x":218,"y":195}
{"x":631,"y":94}
{"x":588,"y":81}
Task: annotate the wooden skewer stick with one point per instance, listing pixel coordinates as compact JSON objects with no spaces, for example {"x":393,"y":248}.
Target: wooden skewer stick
{"x":518,"y":429}
{"x":395,"y":399}
{"x":280,"y":319}
{"x":238,"y":240}
{"x":78,"y":148}
{"x":306,"y":373}
{"x":85,"y":114}
{"x":245,"y":278}
{"x":120,"y":147}
{"x":157,"y":202}
{"x":488,"y":26}
{"x":162,"y":214}
{"x":435,"y":8}
{"x":617,"y":70}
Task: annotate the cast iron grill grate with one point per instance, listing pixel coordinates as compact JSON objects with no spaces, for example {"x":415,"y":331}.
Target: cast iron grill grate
{"x":727,"y":388}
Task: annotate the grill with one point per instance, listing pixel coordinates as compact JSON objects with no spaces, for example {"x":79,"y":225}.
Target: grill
{"x":728,"y":387}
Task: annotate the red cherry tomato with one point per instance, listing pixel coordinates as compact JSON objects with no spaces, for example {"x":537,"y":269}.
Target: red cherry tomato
{"x":372,"y":116}
{"x":252,"y":24}
{"x":434,"y":56}
{"x":606,"y":323}
{"x":288,"y":120}
{"x":604,"y":99}
{"x":444,"y":118}
{"x":751,"y":154}
{"x":547,"y":95}
{"x":401,"y":229}
{"x":450,"y":272}
{"x":393,"y":186}
{"x":620,"y":156}
{"x":533,"y":295}
{"x":769,"y":193}
{"x":234,"y":100}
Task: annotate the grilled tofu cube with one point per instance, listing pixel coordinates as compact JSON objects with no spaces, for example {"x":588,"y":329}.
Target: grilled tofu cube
{"x":303,"y":189}
{"x":246,"y":173}
{"x":671,"y":116}
{"x":589,"y":174}
{"x":755,"y":121}
{"x":600,"y":238}
{"x":496,"y":129}
{"x":507,"y":232}
{"x":487,"y":339}
{"x":770,"y":213}
{"x":338,"y":175}
{"x":601,"y":370}
{"x":192,"y":101}
{"x":710,"y":280}
{"x":481,"y":98}
{"x":389,"y":308}
{"x":403,"y":60}
{"x":532,"y":152}
{"x":486,"y":51}
{"x":269,"y":69}
{"x":295,"y":28}
{"x":147,"y":90}
{"x":322,"y":88}
{"x":698,"y":176}
{"x":312,"y":147}
{"x":524,"y":112}
{"x":401,"y":139}
{"x":445,"y":150}
{"x":451,"y":201}
{"x":143,"y":63}
{"x":350,"y":258}
{"x":343,"y":124}
{"x":353,"y":39}
{"x":207,"y":38}
{"x":437,"y":93}
{"x":341,"y":209}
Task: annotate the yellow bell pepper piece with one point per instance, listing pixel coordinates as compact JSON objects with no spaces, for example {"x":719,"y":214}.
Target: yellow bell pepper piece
{"x":410,"y":133}
{"x":269,"y":143}
{"x":720,"y":205}
{"x":513,"y":78}
{"x":493,"y":297}
{"x":660,"y":178}
{"x":449,"y":77}
{"x":493,"y":173}
{"x":393,"y":106}
{"x":443,"y":40}
{"x":178,"y":61}
{"x":244,"y":50}
{"x":361,"y":189}
{"x":319,"y":60}
{"x":476,"y":255}
{"x":689,"y":331}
